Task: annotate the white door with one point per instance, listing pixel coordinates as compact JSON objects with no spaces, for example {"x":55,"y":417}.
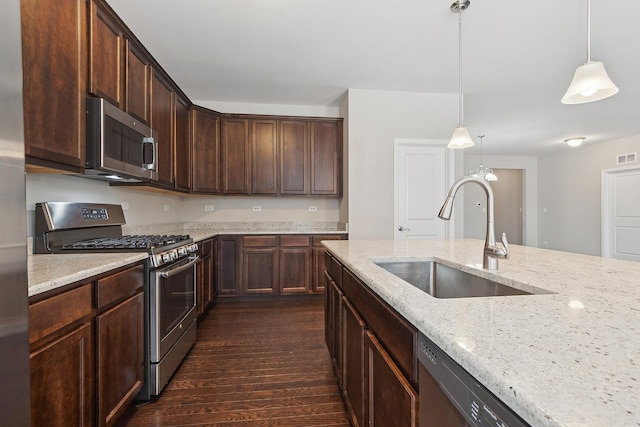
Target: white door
{"x":420,"y":189}
{"x":621,"y":214}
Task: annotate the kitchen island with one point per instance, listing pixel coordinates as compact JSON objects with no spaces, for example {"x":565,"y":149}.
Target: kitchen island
{"x":567,"y":355}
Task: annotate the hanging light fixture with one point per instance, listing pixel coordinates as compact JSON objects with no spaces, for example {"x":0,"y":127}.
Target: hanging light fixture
{"x":486,"y":174}
{"x":460,"y":137}
{"x":575,"y":142}
{"x":590,"y":81}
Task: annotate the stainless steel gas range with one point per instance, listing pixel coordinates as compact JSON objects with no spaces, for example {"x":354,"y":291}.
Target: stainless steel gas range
{"x":170,"y":288}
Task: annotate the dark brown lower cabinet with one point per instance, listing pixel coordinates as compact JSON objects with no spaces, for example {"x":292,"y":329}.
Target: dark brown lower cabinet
{"x":373,"y":352}
{"x":353,"y":375}
{"x":120,"y":358}
{"x":87,"y":349}
{"x":295,"y":264}
{"x":228,"y":265}
{"x":62,"y":381}
{"x":391,"y":399}
{"x":206,"y":289}
{"x":259,"y":265}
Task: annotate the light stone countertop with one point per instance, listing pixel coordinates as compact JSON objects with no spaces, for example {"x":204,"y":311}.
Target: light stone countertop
{"x":570,"y":357}
{"x":47,"y":272}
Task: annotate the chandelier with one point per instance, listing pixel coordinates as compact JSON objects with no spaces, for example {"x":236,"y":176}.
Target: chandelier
{"x":486,"y":174}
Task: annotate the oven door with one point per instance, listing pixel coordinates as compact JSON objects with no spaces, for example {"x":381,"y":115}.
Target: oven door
{"x":172,"y":304}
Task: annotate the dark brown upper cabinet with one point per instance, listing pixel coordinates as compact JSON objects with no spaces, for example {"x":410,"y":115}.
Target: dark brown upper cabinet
{"x":294,"y":157}
{"x":162,"y":121}
{"x":235,"y":156}
{"x":118,"y":66}
{"x":182,"y":145}
{"x":326,"y":155}
{"x":54,"y":57}
{"x":205,"y":156}
{"x":264,"y":157}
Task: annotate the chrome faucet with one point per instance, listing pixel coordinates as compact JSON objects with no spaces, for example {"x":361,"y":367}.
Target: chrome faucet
{"x":492,"y":251}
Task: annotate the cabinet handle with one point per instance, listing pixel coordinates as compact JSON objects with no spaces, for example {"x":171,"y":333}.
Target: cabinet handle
{"x":401,"y":228}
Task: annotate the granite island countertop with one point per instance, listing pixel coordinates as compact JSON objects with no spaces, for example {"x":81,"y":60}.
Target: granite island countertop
{"x":51,"y":271}
{"x":566,"y":357}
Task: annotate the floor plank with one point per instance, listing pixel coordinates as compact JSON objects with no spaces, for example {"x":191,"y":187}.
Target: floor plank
{"x":254,"y":364}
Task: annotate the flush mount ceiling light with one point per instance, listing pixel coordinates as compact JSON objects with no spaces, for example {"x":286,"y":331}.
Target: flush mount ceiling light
{"x":486,"y":174}
{"x":574,"y":142}
{"x":460,"y":137}
{"x":590,"y":81}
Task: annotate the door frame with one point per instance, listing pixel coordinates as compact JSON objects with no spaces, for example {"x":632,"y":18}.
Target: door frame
{"x":449,"y":169}
{"x":606,"y":220}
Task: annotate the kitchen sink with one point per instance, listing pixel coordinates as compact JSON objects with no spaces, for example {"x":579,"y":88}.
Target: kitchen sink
{"x":441,"y":281}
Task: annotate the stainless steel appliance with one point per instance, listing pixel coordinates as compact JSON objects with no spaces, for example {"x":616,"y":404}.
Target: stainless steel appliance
{"x":15,"y":404}
{"x":450,"y":396}
{"x":119,"y":147}
{"x":170,"y":300}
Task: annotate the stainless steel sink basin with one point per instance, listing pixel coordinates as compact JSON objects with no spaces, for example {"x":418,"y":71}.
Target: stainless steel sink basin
{"x":441,"y":281}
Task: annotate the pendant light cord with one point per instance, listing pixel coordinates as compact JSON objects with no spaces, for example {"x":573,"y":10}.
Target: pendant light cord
{"x":460,"y":97}
{"x":588,"y":31}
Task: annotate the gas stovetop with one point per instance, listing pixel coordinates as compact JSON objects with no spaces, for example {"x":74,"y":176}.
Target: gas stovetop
{"x":65,"y":227}
{"x":136,"y":242}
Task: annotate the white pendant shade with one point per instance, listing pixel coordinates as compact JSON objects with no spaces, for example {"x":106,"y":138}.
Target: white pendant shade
{"x":460,"y":138}
{"x":590,"y":83}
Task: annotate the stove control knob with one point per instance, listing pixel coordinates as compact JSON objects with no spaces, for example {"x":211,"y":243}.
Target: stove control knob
{"x":183,"y":251}
{"x":166,"y":257}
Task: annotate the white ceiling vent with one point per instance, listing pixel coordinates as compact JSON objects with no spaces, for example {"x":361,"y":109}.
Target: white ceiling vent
{"x":627,"y":158}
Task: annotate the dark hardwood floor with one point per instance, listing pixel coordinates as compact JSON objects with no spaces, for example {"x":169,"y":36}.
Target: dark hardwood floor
{"x":254,"y":364}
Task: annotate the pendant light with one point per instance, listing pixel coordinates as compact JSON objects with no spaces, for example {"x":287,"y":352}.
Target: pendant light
{"x":460,"y":137}
{"x":590,"y":81}
{"x":486,"y":174}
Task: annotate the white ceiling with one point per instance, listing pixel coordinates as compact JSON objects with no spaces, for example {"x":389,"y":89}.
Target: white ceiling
{"x":519,"y":58}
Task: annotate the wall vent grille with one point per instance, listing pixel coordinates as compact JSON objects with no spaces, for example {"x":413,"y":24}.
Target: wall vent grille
{"x":627,"y":158}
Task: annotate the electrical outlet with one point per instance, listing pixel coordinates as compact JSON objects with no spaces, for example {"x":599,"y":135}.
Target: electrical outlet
{"x":257,"y":208}
{"x":208,"y":208}
{"x":166,"y":208}
{"x":125,"y":206}
{"x":312,"y":208}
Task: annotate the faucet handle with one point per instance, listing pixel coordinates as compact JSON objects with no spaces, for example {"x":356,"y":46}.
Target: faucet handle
{"x":506,"y":246}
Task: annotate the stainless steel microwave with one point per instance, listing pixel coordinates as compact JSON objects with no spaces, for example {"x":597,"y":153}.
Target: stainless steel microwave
{"x":119,"y":147}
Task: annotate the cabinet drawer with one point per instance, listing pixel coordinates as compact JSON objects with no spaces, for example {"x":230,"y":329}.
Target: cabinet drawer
{"x":397,"y":335}
{"x":120,"y":285}
{"x":54,"y":313}
{"x":334,"y":268}
{"x":317,"y":240}
{"x":206,"y":247}
{"x":259,"y":241}
{"x":294,"y":240}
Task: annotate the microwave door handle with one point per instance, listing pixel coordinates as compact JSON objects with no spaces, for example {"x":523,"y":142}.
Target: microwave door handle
{"x":177,"y":270}
{"x":154,"y":149}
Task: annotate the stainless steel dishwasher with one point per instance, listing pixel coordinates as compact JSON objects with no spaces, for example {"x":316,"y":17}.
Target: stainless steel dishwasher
{"x":451,"y":397}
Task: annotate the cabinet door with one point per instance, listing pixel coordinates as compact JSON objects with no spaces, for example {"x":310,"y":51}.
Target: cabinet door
{"x":235,"y":156}
{"x":391,"y":398}
{"x":182,"y":145}
{"x":54,"y":57}
{"x":206,"y":151}
{"x":62,"y":381}
{"x":204,"y":276}
{"x":120,"y":357}
{"x":326,"y":147}
{"x":264,"y":153}
{"x":106,"y":57}
{"x":295,"y":270}
{"x":333,"y":326}
{"x":294,"y":157}
{"x":353,"y":375}
{"x":137,"y":82}
{"x":260,"y":270}
{"x":227,"y":267}
{"x":162,"y":121}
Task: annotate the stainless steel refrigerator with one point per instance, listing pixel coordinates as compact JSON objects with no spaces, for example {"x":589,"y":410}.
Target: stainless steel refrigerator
{"x":14,"y":323}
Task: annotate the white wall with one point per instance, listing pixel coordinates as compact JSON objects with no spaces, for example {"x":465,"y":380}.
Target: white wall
{"x":569,"y":190}
{"x":475,"y":220}
{"x":144,"y":207}
{"x":344,"y":202}
{"x":376,"y":118}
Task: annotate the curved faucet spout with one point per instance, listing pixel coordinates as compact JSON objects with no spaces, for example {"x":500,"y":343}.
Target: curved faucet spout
{"x":491,"y":251}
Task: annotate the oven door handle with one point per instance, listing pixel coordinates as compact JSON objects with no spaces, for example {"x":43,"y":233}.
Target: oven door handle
{"x":180,"y":269}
